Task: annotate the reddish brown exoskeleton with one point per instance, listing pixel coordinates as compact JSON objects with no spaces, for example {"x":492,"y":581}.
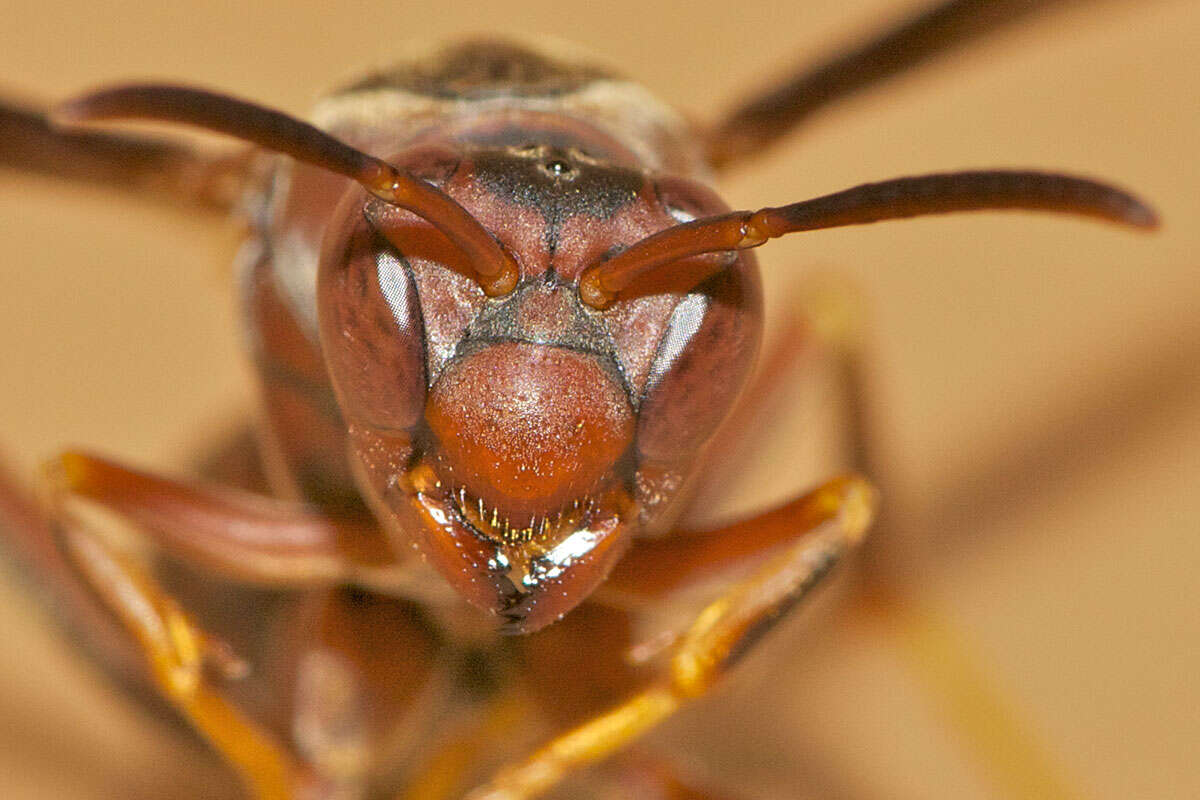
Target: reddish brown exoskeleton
{"x":498,"y":316}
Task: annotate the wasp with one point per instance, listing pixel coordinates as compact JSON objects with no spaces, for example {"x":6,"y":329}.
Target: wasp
{"x":497,"y":316}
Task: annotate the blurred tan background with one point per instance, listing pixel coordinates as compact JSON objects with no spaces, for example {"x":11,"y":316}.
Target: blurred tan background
{"x":1035,"y":380}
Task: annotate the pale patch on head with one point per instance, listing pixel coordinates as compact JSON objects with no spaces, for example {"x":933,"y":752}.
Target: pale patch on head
{"x":660,"y":137}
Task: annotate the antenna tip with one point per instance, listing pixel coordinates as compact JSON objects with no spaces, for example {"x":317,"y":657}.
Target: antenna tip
{"x":1142,"y":216}
{"x":70,"y":113}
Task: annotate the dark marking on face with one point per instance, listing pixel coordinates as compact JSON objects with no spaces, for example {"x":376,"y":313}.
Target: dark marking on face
{"x":545,"y":313}
{"x":542,"y":312}
{"x":558,"y":183}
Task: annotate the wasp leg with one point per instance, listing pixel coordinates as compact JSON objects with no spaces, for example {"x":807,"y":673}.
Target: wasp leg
{"x":753,"y":126}
{"x":29,"y":141}
{"x":182,"y":661}
{"x":31,"y":541}
{"x":246,"y":537}
{"x":447,"y":772}
{"x":834,"y":517}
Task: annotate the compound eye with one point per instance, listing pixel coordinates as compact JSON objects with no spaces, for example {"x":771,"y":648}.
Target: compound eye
{"x":372,"y":332}
{"x":701,"y":364}
{"x":686,"y":200}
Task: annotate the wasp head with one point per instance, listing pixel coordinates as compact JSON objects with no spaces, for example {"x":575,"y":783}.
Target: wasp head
{"x":521,"y":440}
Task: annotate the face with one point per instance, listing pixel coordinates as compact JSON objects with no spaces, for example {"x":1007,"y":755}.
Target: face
{"x":520,"y":441}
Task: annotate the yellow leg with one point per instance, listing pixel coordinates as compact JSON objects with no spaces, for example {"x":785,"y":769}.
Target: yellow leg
{"x":838,"y":515}
{"x":445,"y":773}
{"x":180,"y":656}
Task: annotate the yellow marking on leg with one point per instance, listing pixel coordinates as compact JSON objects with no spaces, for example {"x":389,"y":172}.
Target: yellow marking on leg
{"x":843,"y":510}
{"x":176,"y":651}
{"x":584,"y":745}
{"x":442,"y":776}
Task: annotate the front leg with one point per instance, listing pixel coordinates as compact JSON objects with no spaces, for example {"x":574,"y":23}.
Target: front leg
{"x":250,"y":538}
{"x":259,"y":541}
{"x":832,"y":520}
{"x":185,"y":663}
